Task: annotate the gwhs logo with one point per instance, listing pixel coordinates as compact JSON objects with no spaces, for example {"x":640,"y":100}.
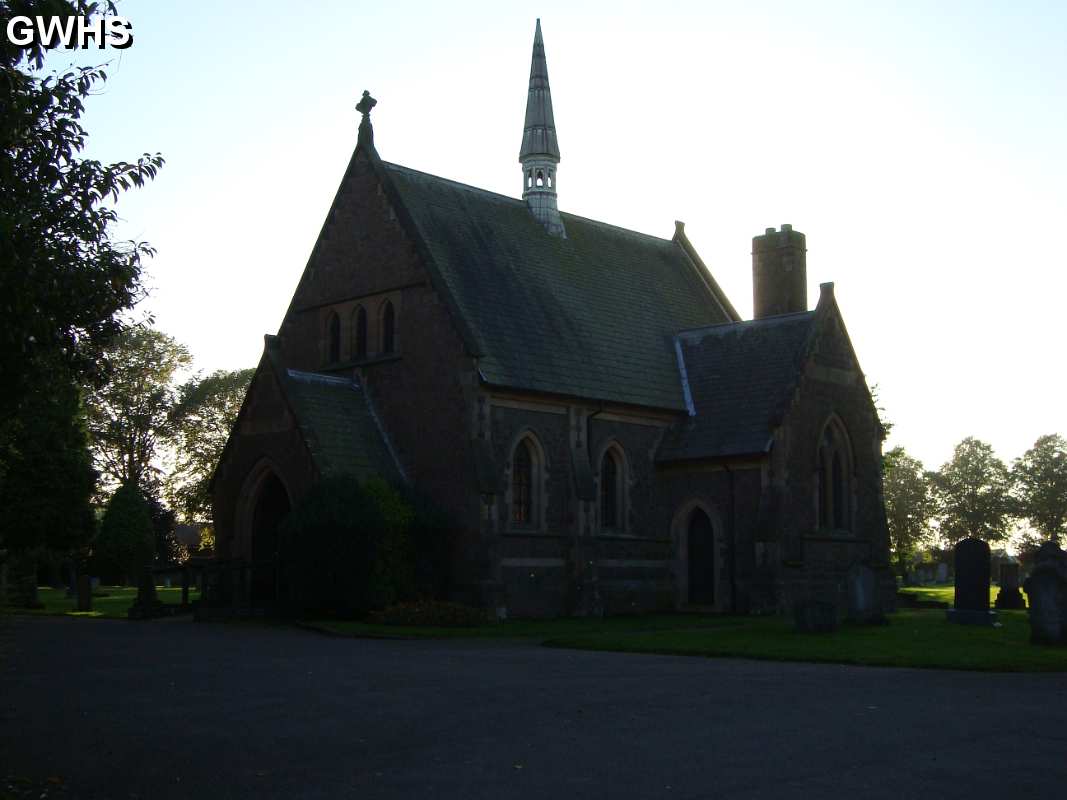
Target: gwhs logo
{"x":72,"y":32}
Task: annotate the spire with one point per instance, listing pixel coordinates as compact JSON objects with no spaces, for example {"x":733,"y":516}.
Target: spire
{"x":539,"y":154}
{"x":539,"y":134}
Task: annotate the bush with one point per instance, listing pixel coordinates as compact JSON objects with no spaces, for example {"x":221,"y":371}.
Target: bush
{"x":434,"y":535}
{"x":429,"y":613}
{"x":126,"y":542}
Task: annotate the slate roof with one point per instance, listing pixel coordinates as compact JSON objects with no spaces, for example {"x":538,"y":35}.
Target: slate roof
{"x":339,"y":426}
{"x":739,"y":377}
{"x":591,"y":316}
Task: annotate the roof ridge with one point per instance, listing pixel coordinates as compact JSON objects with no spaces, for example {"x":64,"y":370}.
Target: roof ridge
{"x":460,"y":184}
{"x":318,"y":377}
{"x":400,"y":167}
{"x":777,"y":319}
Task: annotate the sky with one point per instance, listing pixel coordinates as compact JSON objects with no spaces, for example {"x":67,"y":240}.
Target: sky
{"x":919,"y":146}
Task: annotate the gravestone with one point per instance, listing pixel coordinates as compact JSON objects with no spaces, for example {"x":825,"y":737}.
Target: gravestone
{"x":864,"y":599}
{"x":147,"y":605}
{"x":85,"y":593}
{"x":1046,"y":589}
{"x":971,"y":606}
{"x":1009,"y":595}
{"x":942,"y":573}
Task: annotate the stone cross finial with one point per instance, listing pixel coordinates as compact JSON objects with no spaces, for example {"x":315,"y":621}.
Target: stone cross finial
{"x":365,"y":105}
{"x":366,"y":132}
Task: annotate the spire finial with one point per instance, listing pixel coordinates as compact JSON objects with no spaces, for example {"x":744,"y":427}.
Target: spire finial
{"x":539,"y":154}
{"x":366,"y":131}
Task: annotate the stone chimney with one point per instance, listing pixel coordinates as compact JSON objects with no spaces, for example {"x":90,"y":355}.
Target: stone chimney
{"x":779,"y":273}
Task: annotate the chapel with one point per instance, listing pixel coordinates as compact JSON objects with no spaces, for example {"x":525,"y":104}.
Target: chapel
{"x":608,"y":433}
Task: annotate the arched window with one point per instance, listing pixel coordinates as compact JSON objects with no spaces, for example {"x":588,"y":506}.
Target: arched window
{"x":522,"y":484}
{"x":333,"y":339}
{"x":834,"y":471}
{"x":388,"y":328}
{"x":359,"y":332}
{"x":612,"y":490}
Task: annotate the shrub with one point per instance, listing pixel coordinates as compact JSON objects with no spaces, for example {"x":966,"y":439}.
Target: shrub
{"x":430,"y":613}
{"x":126,"y":542}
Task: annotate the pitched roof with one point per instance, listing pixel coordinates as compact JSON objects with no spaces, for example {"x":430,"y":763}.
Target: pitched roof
{"x":339,"y":426}
{"x":737,"y":378}
{"x":592,"y":315}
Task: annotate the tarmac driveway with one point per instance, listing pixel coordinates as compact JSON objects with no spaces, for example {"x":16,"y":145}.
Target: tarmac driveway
{"x":177,"y":709}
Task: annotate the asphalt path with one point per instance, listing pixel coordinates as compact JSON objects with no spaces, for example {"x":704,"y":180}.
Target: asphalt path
{"x":112,"y":709}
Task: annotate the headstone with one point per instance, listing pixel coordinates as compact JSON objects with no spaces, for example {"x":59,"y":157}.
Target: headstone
{"x":942,"y":573}
{"x":864,"y":599}
{"x":1046,"y":589}
{"x":147,"y":605}
{"x":1009,"y":595}
{"x":85,"y":593}
{"x":971,"y":606}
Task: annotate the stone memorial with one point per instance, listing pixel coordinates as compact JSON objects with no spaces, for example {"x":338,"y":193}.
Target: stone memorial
{"x":1009,"y":595}
{"x":864,"y":599}
{"x":84,"y":593}
{"x":942,"y":573}
{"x":971,"y":605}
{"x":147,"y":605}
{"x":1046,"y":590}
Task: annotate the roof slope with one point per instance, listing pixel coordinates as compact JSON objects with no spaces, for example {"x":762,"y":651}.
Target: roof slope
{"x":339,"y":426}
{"x":592,"y":315}
{"x":739,"y":375}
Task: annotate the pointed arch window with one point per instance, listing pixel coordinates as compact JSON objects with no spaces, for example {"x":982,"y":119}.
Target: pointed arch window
{"x":333,"y":338}
{"x":388,"y":328}
{"x":834,"y":471}
{"x":612,"y":490}
{"x":359,"y":332}
{"x":526,"y":484}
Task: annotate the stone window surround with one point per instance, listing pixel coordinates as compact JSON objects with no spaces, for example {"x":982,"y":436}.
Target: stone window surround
{"x":622,"y":498}
{"x":374,"y":305}
{"x":538,"y":489}
{"x":841,"y":446}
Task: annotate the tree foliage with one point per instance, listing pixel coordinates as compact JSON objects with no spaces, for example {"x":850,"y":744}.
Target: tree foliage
{"x":909,"y":505}
{"x":1040,"y":480}
{"x":63,"y":280}
{"x":126,"y":542}
{"x":128,"y":413}
{"x":46,"y":474}
{"x":201,"y":420}
{"x":973,"y":494}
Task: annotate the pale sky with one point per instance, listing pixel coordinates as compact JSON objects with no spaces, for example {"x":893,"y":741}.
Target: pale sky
{"x":920,"y":149}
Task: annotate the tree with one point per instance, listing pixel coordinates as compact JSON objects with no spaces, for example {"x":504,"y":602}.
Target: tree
{"x":126,"y":542}
{"x":128,"y":414}
{"x":909,"y":505}
{"x":201,"y":421}
{"x":973,"y":494}
{"x":1040,"y":480}
{"x":63,"y":281}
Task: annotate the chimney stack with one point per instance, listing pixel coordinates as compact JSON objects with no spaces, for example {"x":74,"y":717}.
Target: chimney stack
{"x":779,"y":273}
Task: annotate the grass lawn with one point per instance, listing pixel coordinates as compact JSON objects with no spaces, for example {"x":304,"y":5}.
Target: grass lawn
{"x":537,"y":629}
{"x":114,"y":606}
{"x":913,"y":638}
{"x":944,"y":593}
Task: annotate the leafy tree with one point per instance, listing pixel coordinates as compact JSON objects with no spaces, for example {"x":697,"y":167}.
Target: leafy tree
{"x":200,"y":425}
{"x":126,"y":542}
{"x":1040,"y":479}
{"x":128,"y":414}
{"x":973,"y":494}
{"x":63,"y":281}
{"x":168,"y":550}
{"x":909,"y":505}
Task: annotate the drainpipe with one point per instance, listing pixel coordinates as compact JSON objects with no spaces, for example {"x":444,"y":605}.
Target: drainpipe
{"x":732,"y":542}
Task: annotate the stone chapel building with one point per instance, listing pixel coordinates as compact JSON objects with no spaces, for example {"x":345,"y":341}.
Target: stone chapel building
{"x":584,"y":400}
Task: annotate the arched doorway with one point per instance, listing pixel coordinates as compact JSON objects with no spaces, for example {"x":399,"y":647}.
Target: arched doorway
{"x":701,"y":549}
{"x":271,"y":507}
